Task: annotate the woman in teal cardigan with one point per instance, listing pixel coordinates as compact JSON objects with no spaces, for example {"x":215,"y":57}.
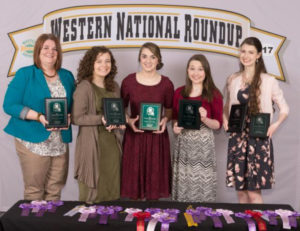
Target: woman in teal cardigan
{"x":43,"y":153}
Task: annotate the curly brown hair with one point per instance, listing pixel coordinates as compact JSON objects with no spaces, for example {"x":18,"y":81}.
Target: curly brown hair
{"x":155,"y":50}
{"x":254,"y":90}
{"x":209,"y":87}
{"x":86,"y":67}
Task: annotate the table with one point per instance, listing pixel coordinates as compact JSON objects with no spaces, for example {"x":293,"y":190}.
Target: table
{"x":12,"y":221}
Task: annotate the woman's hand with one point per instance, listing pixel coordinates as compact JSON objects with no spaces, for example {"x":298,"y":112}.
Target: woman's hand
{"x":162,"y":125}
{"x":225,"y":124}
{"x":203,"y":114}
{"x":131,"y":123}
{"x":177,"y":129}
{"x":108,"y":128}
{"x":273,"y":127}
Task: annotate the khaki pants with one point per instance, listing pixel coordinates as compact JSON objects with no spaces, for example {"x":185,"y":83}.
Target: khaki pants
{"x":43,"y":176}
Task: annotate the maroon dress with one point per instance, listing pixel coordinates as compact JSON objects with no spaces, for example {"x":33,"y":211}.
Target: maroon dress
{"x":146,"y":164}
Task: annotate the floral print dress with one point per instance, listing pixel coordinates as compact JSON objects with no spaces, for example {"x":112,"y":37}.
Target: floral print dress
{"x":250,"y":163}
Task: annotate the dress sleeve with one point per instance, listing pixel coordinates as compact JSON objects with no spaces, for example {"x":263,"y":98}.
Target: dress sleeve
{"x":217,"y":107}
{"x":125,"y":92}
{"x":175,"y":104}
{"x":169,"y":93}
{"x":278,"y":98}
{"x":13,"y":99}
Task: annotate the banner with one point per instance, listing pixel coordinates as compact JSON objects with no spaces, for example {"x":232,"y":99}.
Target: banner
{"x":169,"y":26}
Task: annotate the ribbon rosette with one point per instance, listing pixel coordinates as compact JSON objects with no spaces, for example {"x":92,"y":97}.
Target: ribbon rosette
{"x":257,"y":217}
{"x":94,"y":215}
{"x":293,"y":219}
{"x":226,"y":214}
{"x":165,"y":222}
{"x":85,"y":212}
{"x":155,"y":218}
{"x":116,"y":209}
{"x":25,"y":208}
{"x":55,"y":204}
{"x":202,"y":210}
{"x":104,"y":213}
{"x":172,"y":212}
{"x":271,"y":215}
{"x":36,"y":205}
{"x":152,"y":211}
{"x":194,"y":217}
{"x":284,"y":214}
{"x":140,"y":223}
{"x":130,"y":212}
{"x":247,"y":218}
{"x":215,"y":217}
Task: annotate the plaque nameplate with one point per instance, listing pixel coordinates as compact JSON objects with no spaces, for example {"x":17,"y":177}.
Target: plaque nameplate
{"x":150,"y":114}
{"x":56,"y":112}
{"x":188,"y":114}
{"x":113,"y":111}
{"x":236,"y":122}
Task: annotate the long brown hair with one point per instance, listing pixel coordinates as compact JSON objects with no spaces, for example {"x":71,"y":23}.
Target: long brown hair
{"x":156,"y":52}
{"x":209,"y":87}
{"x":86,"y":67}
{"x":254,"y":89}
{"x":39,"y":45}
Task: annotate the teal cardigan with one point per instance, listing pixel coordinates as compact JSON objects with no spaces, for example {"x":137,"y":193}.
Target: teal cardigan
{"x":29,"y":89}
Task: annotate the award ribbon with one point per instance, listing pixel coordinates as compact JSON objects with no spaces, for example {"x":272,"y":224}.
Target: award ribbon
{"x":55,"y":204}
{"x":247,"y":218}
{"x":25,"y":208}
{"x":36,"y":205}
{"x":284,"y":214}
{"x":165,"y":222}
{"x":73,"y":211}
{"x":293,"y":219}
{"x":152,"y":211}
{"x":130,"y":212}
{"x":104,"y":213}
{"x":202,"y":210}
{"x":191,"y":218}
{"x":215,"y":217}
{"x":140,"y":223}
{"x":85,"y":211}
{"x":257,"y":217}
{"x":226,"y":214}
{"x":155,"y":218}
{"x":172,"y":212}
{"x":271,"y":215}
{"x":116,"y":209}
{"x":42,"y":209}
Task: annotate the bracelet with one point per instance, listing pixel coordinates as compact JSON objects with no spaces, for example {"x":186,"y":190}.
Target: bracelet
{"x":38,"y":117}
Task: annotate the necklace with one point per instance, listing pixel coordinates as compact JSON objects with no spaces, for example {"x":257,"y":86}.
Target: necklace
{"x":49,"y":76}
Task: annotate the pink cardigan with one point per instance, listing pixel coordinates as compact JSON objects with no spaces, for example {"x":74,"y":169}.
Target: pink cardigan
{"x":270,"y":92}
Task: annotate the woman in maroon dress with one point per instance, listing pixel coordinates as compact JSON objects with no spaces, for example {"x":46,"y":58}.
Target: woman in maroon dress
{"x":146,"y":164}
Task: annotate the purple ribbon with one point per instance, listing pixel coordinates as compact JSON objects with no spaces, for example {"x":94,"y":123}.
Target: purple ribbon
{"x":42,"y":209}
{"x":165,"y":221}
{"x":247,"y":218}
{"x":195,"y":214}
{"x":271,"y":216}
{"x":94,"y":215}
{"x":116,"y":209}
{"x":104,"y":213}
{"x":55,"y":204}
{"x":202,"y":210}
{"x":36,"y":205}
{"x":172,"y":212}
{"x":293,"y":219}
{"x":152,"y":211}
{"x":215,"y":217}
{"x":25,"y":208}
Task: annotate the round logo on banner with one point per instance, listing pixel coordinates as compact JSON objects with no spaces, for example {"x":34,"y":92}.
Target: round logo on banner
{"x":27,"y":48}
